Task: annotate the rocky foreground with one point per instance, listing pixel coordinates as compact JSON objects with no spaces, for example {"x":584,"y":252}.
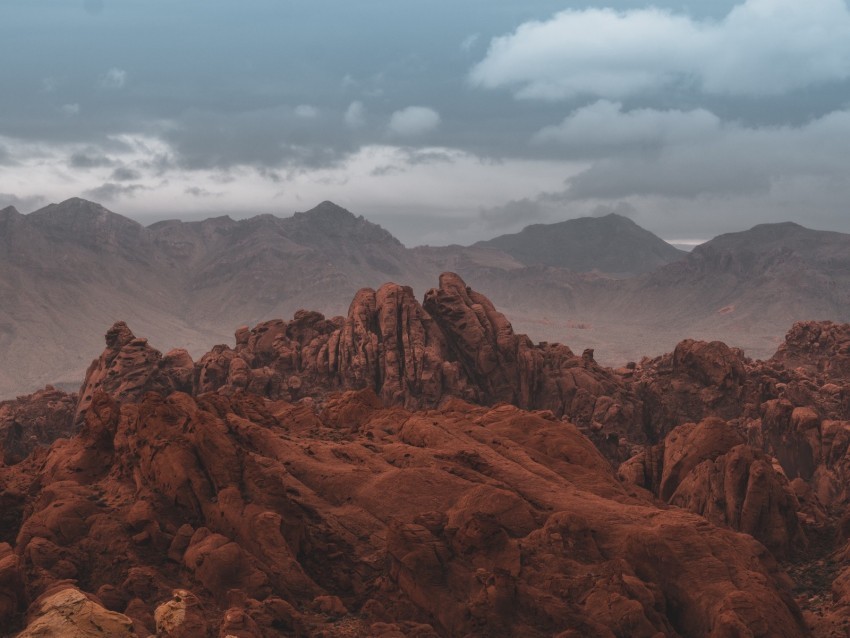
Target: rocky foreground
{"x":421,"y":470}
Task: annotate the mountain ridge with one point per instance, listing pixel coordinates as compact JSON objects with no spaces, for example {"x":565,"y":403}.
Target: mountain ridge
{"x":188,"y":283}
{"x":611,"y":243}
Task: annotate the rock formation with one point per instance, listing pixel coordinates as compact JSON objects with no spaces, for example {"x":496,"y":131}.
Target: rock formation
{"x":422,"y":470}
{"x":456,"y":344}
{"x":34,"y":421}
{"x":274,"y":518}
{"x":69,"y":270}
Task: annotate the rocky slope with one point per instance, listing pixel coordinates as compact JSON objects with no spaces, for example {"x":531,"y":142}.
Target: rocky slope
{"x":421,"y":470}
{"x":746,"y":288}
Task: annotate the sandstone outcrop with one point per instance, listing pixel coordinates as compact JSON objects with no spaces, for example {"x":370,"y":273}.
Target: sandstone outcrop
{"x":34,"y":421}
{"x":819,"y":347}
{"x":66,"y":611}
{"x":456,"y":344}
{"x":707,"y":468}
{"x":129,"y":367}
{"x":421,"y":470}
{"x":235,"y":512}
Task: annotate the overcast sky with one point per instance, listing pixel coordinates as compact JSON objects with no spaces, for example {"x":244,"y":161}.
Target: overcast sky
{"x":444,"y":121}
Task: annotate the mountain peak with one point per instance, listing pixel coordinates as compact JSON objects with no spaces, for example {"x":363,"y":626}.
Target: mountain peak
{"x":329,"y":210}
{"x":778,"y":229}
{"x":329,"y":220}
{"x":765,"y":237}
{"x":611,"y":243}
{"x":9,"y":211}
{"x":88,"y":223}
{"x":78,"y":210}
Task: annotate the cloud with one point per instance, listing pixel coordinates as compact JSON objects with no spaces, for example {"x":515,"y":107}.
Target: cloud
{"x":733,"y":160}
{"x":306,"y":111}
{"x":760,"y":48}
{"x":111,"y":191}
{"x":49,"y":85}
{"x":469,"y":42}
{"x":406,"y":158}
{"x":414,"y":121}
{"x":70,"y":109}
{"x":689,"y":172}
{"x":125,"y":174}
{"x":547,"y":207}
{"x":355,"y":115}
{"x":90,"y":158}
{"x":5,"y":156}
{"x":196,"y":191}
{"x":515,"y":214}
{"x":114,"y":78}
{"x":275,"y":138}
{"x":604,"y":127}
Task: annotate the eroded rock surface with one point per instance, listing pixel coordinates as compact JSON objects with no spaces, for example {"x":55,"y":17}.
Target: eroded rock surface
{"x":421,"y":470}
{"x":34,"y":421}
{"x":238,"y":511}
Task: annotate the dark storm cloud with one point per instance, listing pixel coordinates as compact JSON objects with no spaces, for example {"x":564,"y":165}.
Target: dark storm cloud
{"x":386,"y":169}
{"x":271,"y":137}
{"x":515,"y":213}
{"x":125,"y":174}
{"x":604,"y":129}
{"x":91,"y":158}
{"x":668,"y":178}
{"x":545,"y":208}
{"x":731,"y":160}
{"x":407,"y":158}
{"x":195,"y":191}
{"x":5,"y":156}
{"x":111,"y":191}
{"x":416,"y":157}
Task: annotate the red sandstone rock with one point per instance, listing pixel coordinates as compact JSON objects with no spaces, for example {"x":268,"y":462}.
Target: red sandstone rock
{"x":465,"y":520}
{"x":34,"y":421}
{"x":708,"y":469}
{"x":819,"y":347}
{"x":248,"y":496}
{"x":456,"y":344}
{"x":129,"y":367}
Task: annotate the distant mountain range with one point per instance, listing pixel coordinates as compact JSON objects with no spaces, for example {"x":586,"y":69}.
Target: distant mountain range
{"x":70,"y":270}
{"x":611,"y":244}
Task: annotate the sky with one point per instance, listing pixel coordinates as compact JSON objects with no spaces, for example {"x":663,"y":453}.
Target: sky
{"x":444,"y":121}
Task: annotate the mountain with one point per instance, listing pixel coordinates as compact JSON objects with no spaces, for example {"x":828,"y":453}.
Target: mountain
{"x":746,"y":287}
{"x":71,"y":268}
{"x":67,"y":268}
{"x":611,"y":244}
